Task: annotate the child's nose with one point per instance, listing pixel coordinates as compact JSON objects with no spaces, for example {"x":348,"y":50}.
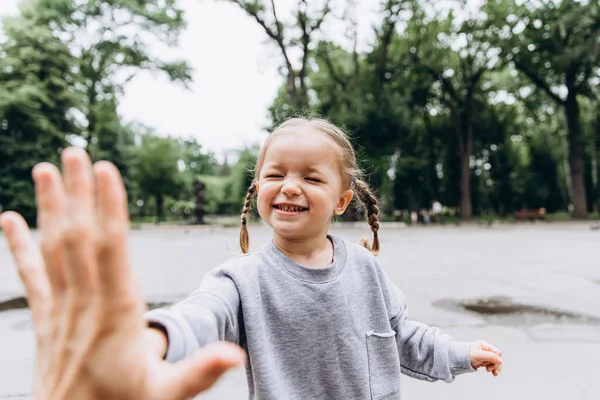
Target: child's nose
{"x":291,"y":187}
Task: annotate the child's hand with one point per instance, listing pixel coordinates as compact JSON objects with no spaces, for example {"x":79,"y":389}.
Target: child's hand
{"x":85,"y":306}
{"x":486,"y":355}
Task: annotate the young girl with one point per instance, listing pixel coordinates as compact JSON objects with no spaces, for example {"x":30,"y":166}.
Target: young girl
{"x":317,"y":316}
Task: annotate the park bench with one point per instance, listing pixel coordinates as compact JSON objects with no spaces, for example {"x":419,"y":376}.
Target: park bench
{"x":530,"y":215}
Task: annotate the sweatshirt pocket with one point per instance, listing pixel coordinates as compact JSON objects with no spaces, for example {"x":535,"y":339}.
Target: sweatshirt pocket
{"x":384,"y":365}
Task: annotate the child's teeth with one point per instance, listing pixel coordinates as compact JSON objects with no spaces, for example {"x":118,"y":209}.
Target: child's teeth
{"x":290,"y":208}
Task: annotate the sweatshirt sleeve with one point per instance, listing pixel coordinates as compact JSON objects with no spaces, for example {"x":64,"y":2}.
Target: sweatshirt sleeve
{"x":425,"y":352}
{"x":209,"y":314}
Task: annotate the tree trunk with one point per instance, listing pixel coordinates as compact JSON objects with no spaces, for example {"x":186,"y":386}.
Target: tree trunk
{"x":466,"y":208}
{"x":565,"y":160}
{"x":465,"y":145}
{"x":432,"y":157}
{"x":199,"y":188}
{"x":580,"y":209}
{"x":594,"y":156}
{"x":91,"y":127}
{"x":160,"y":201}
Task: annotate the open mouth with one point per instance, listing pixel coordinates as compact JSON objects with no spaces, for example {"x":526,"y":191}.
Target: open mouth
{"x":289,"y":208}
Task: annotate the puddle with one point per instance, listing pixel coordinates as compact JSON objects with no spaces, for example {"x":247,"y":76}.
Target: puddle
{"x":499,"y":310}
{"x":16,"y":303}
{"x":503,"y":310}
{"x":153,"y":305}
{"x":19,"y":303}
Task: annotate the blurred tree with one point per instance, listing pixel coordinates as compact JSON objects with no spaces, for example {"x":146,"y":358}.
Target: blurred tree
{"x":157,"y":171}
{"x":114,"y":141}
{"x":456,"y":56}
{"x":489,"y":107}
{"x":36,"y":104}
{"x":239,"y":181}
{"x":196,"y":161}
{"x":111,"y":39}
{"x":360,"y":93}
{"x":194,"y":164}
{"x":555,"y":44}
{"x":591,"y":121}
{"x":291,"y":38}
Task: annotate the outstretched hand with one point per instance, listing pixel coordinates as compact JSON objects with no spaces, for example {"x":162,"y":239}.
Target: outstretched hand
{"x":486,"y":355}
{"x":85,"y":306}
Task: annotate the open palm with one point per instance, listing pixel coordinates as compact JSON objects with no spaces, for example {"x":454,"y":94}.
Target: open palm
{"x":86,"y":308}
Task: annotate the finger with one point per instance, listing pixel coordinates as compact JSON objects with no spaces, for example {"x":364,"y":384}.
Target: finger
{"x":29,"y":264}
{"x":50,"y":198}
{"x":487,"y":356}
{"x":79,"y":230}
{"x":201,"y":371}
{"x":490,"y":367}
{"x":491,"y":347}
{"x":113,"y":227}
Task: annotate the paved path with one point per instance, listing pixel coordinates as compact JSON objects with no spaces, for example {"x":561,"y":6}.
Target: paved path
{"x":552,"y":266}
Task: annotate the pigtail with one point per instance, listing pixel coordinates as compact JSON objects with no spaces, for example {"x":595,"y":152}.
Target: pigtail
{"x":244,"y":239}
{"x":366,"y":196}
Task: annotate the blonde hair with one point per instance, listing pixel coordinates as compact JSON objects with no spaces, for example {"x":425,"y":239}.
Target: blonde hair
{"x":353,"y":176}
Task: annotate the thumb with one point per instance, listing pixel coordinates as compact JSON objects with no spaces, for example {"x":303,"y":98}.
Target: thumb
{"x":200,"y":371}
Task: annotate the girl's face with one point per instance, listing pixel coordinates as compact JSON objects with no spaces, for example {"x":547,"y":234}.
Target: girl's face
{"x":300,"y":186}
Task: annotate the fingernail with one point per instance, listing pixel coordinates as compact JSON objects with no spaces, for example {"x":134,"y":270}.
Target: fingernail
{"x":4,"y":224}
{"x":73,"y":152}
{"x":35,"y":172}
{"x":38,"y":172}
{"x":235,"y":355}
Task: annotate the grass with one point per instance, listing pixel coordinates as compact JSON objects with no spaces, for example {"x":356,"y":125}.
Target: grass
{"x":563,"y":216}
{"x":232,"y":221}
{"x":227,"y":221}
{"x":553,"y":217}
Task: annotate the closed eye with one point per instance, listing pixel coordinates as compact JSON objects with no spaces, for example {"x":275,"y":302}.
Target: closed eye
{"x":274,"y":176}
{"x":316,"y":180}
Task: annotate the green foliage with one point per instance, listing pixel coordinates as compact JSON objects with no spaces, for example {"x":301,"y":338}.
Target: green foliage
{"x":240,"y":179}
{"x":114,"y":142}
{"x":195,"y":161}
{"x":555,"y":45}
{"x":157,"y":172}
{"x":35,"y":105}
{"x":63,"y":60}
{"x":224,"y":195}
{"x":487,"y":112}
{"x":214,"y":194}
{"x":111,"y":40}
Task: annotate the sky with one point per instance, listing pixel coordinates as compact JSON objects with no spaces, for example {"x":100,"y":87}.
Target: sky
{"x":235,"y":77}
{"x":235,"y":80}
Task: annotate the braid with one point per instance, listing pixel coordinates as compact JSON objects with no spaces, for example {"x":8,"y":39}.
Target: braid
{"x":244,"y":239}
{"x":369,"y":200}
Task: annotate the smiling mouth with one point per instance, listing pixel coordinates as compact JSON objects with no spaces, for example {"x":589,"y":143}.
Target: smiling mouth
{"x":289,"y":208}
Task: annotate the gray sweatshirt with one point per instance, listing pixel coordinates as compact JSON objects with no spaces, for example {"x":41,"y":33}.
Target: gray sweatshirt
{"x":339,"y":332}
